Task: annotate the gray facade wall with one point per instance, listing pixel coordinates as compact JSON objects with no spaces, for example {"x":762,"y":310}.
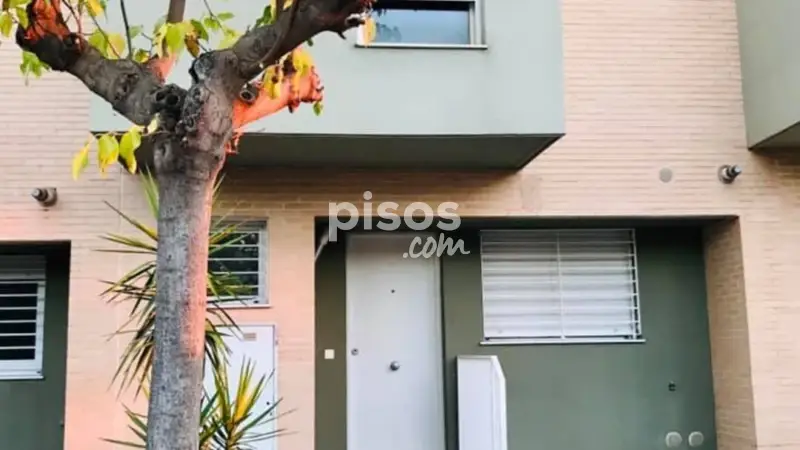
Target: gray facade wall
{"x":513,"y":87}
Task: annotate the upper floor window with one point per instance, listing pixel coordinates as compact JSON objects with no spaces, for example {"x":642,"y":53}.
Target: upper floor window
{"x":22,"y":295}
{"x":240,"y":260}
{"x":428,"y":22}
{"x":560,"y":285}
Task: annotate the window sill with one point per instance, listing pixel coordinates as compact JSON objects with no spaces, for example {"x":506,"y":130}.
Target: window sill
{"x":25,"y":376}
{"x":502,"y":342}
{"x":425,"y":46}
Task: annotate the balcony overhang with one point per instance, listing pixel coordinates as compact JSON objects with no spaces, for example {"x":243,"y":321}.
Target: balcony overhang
{"x":477,"y":152}
{"x":768,"y":34}
{"x":785,"y":139}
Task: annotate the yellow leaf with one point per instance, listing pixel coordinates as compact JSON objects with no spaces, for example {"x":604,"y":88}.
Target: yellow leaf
{"x":116,"y":44}
{"x":152,"y":127}
{"x":193,"y":45}
{"x":141,"y":55}
{"x":107,"y":151}
{"x":272,"y":81}
{"x":158,"y":40}
{"x":302,"y":61}
{"x":95,"y":7}
{"x":130,"y":141}
{"x":369,"y":30}
{"x":6,"y":23}
{"x":80,"y":161}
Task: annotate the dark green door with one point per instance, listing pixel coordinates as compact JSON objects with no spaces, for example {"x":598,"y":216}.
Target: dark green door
{"x":33,"y":336}
{"x":675,"y":316}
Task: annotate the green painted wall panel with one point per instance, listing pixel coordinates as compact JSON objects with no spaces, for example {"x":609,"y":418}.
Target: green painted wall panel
{"x":31,"y":412}
{"x":560,"y":397}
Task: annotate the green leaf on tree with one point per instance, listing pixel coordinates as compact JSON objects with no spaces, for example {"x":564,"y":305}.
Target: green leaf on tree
{"x":317,"y":108}
{"x":22,"y":17}
{"x":199,"y":29}
{"x":174,"y":38}
{"x":6,"y":22}
{"x":230,"y":36}
{"x":135,"y":30}
{"x":98,"y":40}
{"x":31,"y":65}
{"x":211,"y":23}
{"x":266,"y":17}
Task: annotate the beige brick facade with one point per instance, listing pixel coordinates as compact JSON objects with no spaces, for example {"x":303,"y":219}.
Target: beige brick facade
{"x":649,"y":85}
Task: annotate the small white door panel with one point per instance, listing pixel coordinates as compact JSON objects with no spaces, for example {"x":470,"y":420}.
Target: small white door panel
{"x":395,"y":393}
{"x":256,"y":343}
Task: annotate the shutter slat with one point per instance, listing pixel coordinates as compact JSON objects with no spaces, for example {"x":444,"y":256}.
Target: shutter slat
{"x":559,"y":284}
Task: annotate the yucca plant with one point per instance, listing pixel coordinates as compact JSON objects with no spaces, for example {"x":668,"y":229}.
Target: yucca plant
{"x":138,"y":287}
{"x":228,"y":420}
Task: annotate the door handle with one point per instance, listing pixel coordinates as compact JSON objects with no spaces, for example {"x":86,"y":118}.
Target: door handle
{"x":395,"y":366}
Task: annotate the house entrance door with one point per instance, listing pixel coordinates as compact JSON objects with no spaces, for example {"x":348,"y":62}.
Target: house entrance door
{"x":394,"y":384}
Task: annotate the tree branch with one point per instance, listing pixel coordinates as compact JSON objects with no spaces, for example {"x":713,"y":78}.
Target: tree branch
{"x":127,"y":26}
{"x":219,"y":76}
{"x":274,"y":52}
{"x":263,"y":46}
{"x":305,"y":89}
{"x":176,"y":10}
{"x":138,"y":91}
{"x":135,"y":90}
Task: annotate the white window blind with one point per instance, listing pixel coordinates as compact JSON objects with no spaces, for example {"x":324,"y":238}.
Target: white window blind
{"x":560,"y":285}
{"x":22,"y":294}
{"x":240,"y":258}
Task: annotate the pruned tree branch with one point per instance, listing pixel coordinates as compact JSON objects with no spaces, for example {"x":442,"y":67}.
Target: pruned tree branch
{"x":133,"y":89}
{"x":138,"y":91}
{"x":305,"y":89}
{"x":263,"y":46}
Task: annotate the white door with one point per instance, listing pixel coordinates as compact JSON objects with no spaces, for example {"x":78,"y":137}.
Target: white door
{"x":394,"y":344}
{"x":256,"y":343}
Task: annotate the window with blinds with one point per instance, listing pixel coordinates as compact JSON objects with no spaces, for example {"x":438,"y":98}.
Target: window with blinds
{"x":567,"y":285}
{"x":239,"y":259}
{"x":22,"y":293}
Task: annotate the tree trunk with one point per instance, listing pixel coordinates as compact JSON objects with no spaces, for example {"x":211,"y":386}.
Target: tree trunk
{"x":185,"y":179}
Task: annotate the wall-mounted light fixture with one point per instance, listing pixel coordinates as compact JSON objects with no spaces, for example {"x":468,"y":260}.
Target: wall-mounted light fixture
{"x":46,"y":196}
{"x":728,"y":172}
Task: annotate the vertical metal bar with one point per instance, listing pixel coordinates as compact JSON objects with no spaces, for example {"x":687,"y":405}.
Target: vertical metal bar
{"x":560,"y":286}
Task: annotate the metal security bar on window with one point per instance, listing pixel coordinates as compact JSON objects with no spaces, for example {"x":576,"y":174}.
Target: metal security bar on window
{"x":239,"y":259}
{"x":560,"y":285}
{"x":22,"y":294}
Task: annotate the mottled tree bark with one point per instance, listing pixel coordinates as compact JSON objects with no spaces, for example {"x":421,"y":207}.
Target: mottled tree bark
{"x":185,"y":188}
{"x":195,"y":126}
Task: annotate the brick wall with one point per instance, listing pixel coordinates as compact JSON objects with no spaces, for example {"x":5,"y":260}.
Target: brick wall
{"x":649,"y":85}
